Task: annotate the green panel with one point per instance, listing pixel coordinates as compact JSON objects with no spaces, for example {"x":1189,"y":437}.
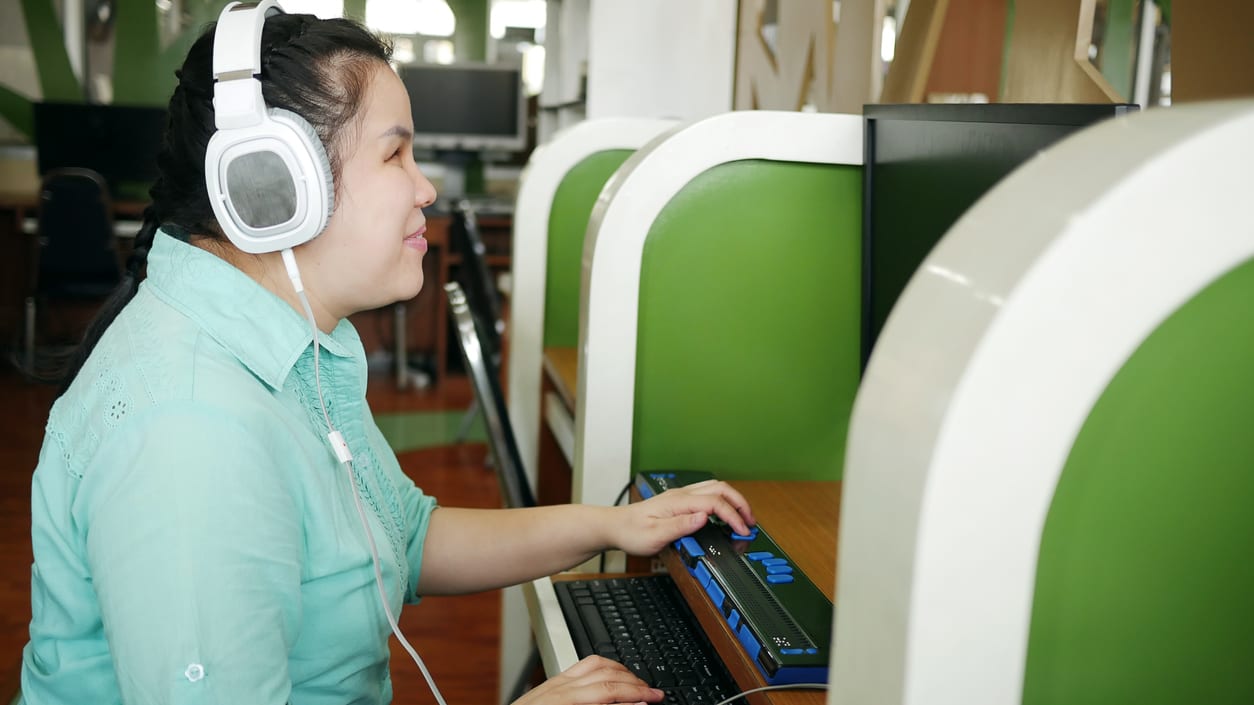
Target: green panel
{"x":568,"y":223}
{"x":1118,"y":57}
{"x":139,"y":77}
{"x":19,"y":111}
{"x":56,"y":76}
{"x":470,"y":35}
{"x":747,"y":356}
{"x":355,"y":10}
{"x":1145,"y":582}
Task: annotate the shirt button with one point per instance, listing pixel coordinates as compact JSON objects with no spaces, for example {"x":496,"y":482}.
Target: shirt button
{"x":194,"y":672}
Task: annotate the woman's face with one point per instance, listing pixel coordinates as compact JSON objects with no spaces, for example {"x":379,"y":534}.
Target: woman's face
{"x":370,"y":254}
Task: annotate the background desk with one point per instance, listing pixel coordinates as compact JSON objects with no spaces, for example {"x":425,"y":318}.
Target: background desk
{"x":558,"y":390}
{"x":426,"y":321}
{"x":802,"y":517}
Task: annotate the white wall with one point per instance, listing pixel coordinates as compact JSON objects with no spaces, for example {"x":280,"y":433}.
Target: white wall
{"x":565,"y":65}
{"x":661,"y":58}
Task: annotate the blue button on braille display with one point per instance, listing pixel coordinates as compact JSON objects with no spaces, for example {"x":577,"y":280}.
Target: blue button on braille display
{"x":691,"y":546}
{"x":778,"y":569}
{"x":750,"y":642}
{"x":779,"y":579}
{"x":759,"y":555}
{"x":791,"y":651}
{"x":812,"y":651}
{"x":702,"y":574}
{"x":716,"y":593}
{"x":733,"y":619}
{"x":775,"y":561}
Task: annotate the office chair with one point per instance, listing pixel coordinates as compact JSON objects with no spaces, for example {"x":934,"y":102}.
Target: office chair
{"x":480,"y":293}
{"x":76,"y":258}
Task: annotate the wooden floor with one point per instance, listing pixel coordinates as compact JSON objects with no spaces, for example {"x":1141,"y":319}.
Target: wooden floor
{"x":456,"y":636}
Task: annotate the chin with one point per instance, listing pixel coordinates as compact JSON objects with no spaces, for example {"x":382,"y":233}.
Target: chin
{"x":411,"y":291}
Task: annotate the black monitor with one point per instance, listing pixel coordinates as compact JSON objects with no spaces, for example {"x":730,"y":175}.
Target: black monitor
{"x":467,"y":107}
{"x":926,"y":165}
{"x":119,"y":142}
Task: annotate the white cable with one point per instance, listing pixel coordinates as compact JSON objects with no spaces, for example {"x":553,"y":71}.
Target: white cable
{"x":340,"y":447}
{"x":785,"y":686}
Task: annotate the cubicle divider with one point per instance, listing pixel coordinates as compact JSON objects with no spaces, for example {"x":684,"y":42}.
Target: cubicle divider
{"x":1048,"y":479}
{"x":720,"y":306}
{"x":719,"y":312}
{"x":555,"y":198}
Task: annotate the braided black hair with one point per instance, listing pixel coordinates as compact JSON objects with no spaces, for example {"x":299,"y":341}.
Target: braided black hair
{"x":318,"y":69}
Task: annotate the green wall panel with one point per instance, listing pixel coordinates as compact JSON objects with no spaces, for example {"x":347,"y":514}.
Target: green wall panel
{"x":749,"y":323}
{"x":1145,"y":580}
{"x":568,"y":223}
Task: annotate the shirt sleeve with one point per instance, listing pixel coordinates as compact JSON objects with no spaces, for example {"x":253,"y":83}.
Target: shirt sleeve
{"x":416,"y":507}
{"x":194,"y":547}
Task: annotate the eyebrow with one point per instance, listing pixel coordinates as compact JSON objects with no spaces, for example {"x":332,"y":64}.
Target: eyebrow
{"x":398,"y":131}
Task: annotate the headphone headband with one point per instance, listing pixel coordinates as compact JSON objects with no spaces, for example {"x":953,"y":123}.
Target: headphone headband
{"x":237,"y":98}
{"x":266,"y":171}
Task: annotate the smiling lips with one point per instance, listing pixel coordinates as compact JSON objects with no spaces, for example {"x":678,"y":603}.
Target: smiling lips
{"x":417,"y":241}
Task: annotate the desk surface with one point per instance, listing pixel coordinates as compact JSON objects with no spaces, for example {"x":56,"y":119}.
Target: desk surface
{"x":562,"y":367}
{"x":802,"y":517}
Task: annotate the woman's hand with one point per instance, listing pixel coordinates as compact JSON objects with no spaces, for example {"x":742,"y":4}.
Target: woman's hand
{"x":644,"y":528}
{"x":592,"y":681}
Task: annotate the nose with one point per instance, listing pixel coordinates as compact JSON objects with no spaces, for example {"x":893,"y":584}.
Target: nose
{"x":424,"y":190}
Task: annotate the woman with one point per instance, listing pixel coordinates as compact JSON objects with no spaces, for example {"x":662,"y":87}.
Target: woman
{"x":195,"y":538}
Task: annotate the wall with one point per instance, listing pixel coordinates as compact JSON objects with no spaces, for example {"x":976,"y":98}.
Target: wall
{"x":1212,"y":50}
{"x":661,"y":58}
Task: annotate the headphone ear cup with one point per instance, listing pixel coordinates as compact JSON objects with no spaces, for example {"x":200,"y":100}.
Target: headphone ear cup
{"x":313,"y":144}
{"x":270,"y":183}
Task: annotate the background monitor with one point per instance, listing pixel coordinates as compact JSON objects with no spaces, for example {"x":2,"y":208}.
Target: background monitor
{"x":466,"y":107}
{"x":926,"y":165}
{"x":119,"y":142}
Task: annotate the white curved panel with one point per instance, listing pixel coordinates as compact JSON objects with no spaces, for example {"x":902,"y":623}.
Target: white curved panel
{"x":986,"y":370}
{"x":612,"y":253}
{"x":548,"y":165}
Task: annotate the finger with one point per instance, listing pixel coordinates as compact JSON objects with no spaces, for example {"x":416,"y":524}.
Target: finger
{"x":719,"y":506}
{"x":600,"y":692}
{"x":591,"y":664}
{"x":732,"y":497}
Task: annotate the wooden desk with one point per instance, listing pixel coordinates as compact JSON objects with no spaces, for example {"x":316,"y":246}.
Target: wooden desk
{"x":802,"y":517}
{"x":561,"y":365}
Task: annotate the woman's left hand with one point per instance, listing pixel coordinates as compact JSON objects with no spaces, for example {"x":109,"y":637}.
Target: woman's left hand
{"x":645,"y":528}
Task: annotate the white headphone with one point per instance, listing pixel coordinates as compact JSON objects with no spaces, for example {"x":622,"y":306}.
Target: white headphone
{"x":266,"y":170}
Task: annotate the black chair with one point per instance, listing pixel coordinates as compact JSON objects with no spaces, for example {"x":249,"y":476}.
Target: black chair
{"x":485,"y":377}
{"x":480,"y":291}
{"x":76,"y":257}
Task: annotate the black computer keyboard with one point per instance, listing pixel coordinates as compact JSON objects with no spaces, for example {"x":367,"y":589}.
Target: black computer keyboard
{"x":643,"y":623}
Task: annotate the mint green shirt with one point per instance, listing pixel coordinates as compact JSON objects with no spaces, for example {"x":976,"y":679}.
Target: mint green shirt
{"x":195,"y":538}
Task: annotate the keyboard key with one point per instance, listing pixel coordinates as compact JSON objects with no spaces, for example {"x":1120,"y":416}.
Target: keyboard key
{"x":651,"y":631}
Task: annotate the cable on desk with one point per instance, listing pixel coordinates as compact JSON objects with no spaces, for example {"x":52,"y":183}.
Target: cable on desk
{"x":617,"y":501}
{"x":785,"y":686}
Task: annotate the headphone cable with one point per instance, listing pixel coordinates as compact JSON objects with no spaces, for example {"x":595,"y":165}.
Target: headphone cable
{"x":340,"y":447}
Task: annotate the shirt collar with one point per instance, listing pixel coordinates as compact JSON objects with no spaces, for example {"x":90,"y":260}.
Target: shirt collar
{"x":263,"y":331}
